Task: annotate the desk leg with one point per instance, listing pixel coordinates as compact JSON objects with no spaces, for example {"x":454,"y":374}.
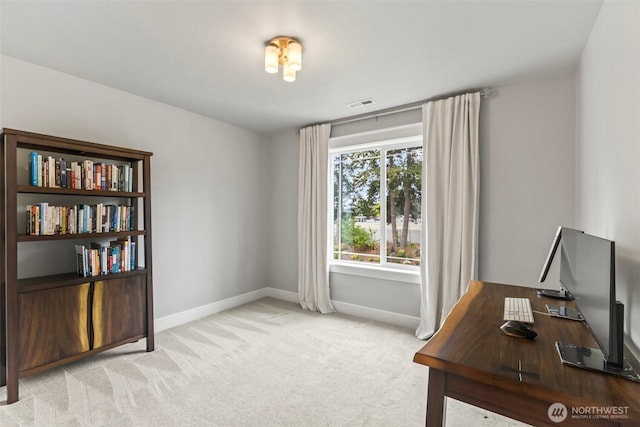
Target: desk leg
{"x":435,"y":398}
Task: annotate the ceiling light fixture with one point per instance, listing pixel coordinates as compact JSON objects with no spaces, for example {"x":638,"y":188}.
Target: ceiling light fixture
{"x":286,"y":51}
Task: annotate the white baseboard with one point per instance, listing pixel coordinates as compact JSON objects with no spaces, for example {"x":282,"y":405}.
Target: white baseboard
{"x":196,"y":313}
{"x":190,"y":315}
{"x":378,"y":315}
{"x":355,"y":310}
{"x":282,"y":294}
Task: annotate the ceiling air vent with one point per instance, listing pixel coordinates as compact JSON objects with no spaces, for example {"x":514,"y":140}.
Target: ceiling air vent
{"x":361,"y":103}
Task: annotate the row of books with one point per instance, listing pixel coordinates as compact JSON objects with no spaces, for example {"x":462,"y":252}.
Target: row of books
{"x":99,"y":259}
{"x":44,"y":219}
{"x":47,"y":171}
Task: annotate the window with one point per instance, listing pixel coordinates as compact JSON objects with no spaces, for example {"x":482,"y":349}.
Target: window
{"x":376,"y":203}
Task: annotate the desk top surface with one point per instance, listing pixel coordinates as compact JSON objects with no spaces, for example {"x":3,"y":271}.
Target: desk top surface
{"x":470,"y":344}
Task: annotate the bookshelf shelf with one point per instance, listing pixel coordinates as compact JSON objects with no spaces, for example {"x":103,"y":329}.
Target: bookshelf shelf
{"x":53,"y":319}
{"x":76,"y":192}
{"x":66,"y":279}
{"x":78,"y":236}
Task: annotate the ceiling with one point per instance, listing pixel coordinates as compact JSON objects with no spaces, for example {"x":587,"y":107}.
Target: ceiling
{"x":208,"y":56}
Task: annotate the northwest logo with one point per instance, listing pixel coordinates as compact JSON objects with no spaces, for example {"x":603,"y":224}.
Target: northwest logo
{"x":557,"y":412}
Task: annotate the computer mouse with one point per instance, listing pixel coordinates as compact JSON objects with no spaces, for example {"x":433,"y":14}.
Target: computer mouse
{"x":513,"y":328}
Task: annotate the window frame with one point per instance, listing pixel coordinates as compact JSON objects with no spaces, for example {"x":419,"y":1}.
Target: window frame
{"x":384,"y":269}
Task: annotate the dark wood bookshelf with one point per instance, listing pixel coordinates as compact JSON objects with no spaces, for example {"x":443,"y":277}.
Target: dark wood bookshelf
{"x":51,"y":320}
{"x":78,"y":236}
{"x":31,"y":284}
{"x":76,"y":192}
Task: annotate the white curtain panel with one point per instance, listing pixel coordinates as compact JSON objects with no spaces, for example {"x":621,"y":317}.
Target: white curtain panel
{"x":450,"y":185}
{"x":313,"y":241}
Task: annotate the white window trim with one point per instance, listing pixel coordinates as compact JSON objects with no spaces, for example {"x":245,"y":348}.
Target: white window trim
{"x":406,"y":136}
{"x":397,"y":274}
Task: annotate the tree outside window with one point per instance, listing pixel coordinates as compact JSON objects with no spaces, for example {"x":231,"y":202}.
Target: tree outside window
{"x":362,"y":219}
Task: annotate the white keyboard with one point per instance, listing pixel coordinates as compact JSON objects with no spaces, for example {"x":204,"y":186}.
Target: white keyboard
{"x":518,"y":309}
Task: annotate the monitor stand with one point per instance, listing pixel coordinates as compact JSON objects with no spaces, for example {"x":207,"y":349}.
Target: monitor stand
{"x":551,"y":293}
{"x":593,"y":359}
{"x":565,"y":312}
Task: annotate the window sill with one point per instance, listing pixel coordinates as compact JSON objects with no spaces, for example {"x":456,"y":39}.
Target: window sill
{"x":377,"y":272}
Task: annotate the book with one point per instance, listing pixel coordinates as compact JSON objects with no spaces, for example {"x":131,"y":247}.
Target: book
{"x":97,"y":178}
{"x":45,"y":172}
{"x":132,"y":249}
{"x":40,"y":166}
{"x":28,"y":219}
{"x":33,"y":169}
{"x":63,"y":173}
{"x":116,"y":257}
{"x":36,"y":215}
{"x":81,"y":259}
{"x":75,"y":175}
{"x":126,"y":253}
{"x":97,"y":218}
{"x":122,"y":259}
{"x":88,"y":175}
{"x":57,"y":171}
{"x":114,"y":178}
{"x":51,"y":171}
{"x":125,"y":178}
{"x":69,"y":176}
{"x":103,"y":253}
{"x":43,"y":218}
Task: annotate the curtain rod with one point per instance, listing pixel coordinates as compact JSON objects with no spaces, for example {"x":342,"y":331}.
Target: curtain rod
{"x":484,"y":92}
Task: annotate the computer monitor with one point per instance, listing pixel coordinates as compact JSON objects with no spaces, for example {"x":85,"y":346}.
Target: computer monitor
{"x":587,"y":272}
{"x":550,"y":255}
{"x":552,"y":293}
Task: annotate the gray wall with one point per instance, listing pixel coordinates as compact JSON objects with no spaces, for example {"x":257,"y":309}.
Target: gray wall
{"x":527,"y":137}
{"x":283,"y":211}
{"x":527,"y":190}
{"x":208,"y":186}
{"x":608,"y":149}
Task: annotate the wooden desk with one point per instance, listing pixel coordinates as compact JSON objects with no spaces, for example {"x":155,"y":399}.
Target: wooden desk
{"x":471,"y":360}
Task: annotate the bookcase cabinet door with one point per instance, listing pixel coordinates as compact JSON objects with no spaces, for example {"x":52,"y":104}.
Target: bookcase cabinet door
{"x":119,"y":309}
{"x":53,"y":324}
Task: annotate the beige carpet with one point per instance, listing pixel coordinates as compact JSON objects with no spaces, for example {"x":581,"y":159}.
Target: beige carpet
{"x":267,"y":363}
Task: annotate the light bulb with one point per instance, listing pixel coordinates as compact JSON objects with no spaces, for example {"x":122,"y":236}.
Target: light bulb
{"x":295,"y":56}
{"x":288,"y":75}
{"x":271,"y":59}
